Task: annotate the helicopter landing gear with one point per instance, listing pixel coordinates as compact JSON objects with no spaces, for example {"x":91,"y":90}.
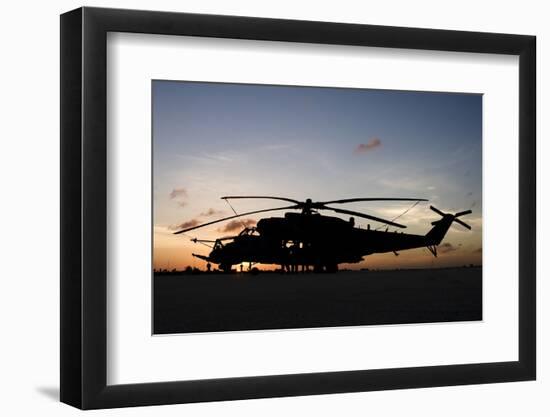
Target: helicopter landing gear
{"x":226,"y":268}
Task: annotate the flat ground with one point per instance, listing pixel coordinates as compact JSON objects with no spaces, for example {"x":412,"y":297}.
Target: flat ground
{"x":217,"y":302}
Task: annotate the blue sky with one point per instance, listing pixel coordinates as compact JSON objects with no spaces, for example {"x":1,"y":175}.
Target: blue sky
{"x":215,"y":139}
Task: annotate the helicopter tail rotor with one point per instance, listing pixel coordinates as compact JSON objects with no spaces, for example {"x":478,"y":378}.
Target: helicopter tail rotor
{"x":441,"y":226}
{"x":454,"y":217}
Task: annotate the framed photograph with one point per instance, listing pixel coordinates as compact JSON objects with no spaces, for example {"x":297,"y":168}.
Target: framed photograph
{"x":257,"y":208}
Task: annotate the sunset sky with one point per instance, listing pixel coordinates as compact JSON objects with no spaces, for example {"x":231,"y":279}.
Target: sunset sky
{"x":214,"y":139}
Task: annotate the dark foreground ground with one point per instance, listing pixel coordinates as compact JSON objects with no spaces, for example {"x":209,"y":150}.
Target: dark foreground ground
{"x":216,"y":302}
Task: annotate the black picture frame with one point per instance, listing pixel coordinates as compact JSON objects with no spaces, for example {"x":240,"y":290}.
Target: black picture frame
{"x":84,"y":207}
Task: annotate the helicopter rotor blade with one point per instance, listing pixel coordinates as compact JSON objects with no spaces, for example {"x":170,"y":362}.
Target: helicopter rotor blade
{"x":234,"y":217}
{"x":353,"y":200}
{"x":268,"y":197}
{"x":365,"y":216}
{"x":437,"y":211}
{"x":460,"y":222}
{"x":463,"y":213}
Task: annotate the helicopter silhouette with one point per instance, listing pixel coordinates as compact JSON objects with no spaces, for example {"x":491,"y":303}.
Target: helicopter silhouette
{"x":310,"y":239}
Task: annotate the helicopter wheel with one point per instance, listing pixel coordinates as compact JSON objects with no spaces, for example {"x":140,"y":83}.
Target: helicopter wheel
{"x":226,"y":268}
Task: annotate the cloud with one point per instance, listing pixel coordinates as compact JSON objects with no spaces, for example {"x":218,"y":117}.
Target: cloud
{"x":212,"y":212}
{"x":446,"y":248}
{"x":370,"y":145}
{"x":235,"y":225}
{"x":163,"y":230}
{"x":178,"y":192}
{"x":185,"y":225}
{"x":179,"y":195}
